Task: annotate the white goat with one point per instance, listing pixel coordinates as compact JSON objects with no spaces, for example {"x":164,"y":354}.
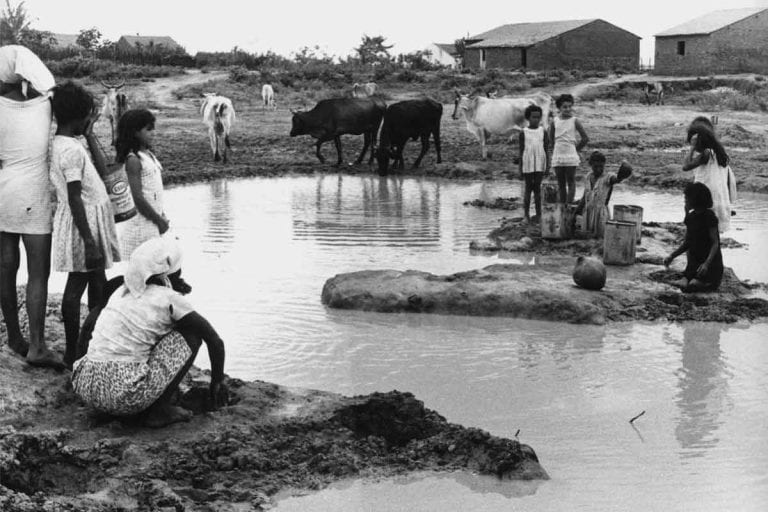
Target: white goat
{"x":219,"y":115}
{"x":268,"y":96}
{"x":115,"y":105}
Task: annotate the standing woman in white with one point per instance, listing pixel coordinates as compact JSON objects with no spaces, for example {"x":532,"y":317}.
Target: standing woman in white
{"x":25,"y":197}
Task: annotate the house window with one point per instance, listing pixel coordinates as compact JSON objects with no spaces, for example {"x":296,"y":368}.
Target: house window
{"x":681,"y":47}
{"x":482,"y":59}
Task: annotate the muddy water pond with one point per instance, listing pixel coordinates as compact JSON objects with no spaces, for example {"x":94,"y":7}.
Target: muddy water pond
{"x":258,"y":252}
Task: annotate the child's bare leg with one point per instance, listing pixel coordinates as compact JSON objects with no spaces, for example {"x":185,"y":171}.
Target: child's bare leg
{"x":527,"y":197}
{"x":70,"y":311}
{"x":97,"y":281}
{"x":537,"y":192}
{"x":9,"y":267}
{"x":38,"y":251}
{"x":697,"y":285}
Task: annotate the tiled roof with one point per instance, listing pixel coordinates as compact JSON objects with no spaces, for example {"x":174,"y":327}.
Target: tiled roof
{"x":166,"y":41}
{"x":711,"y":22}
{"x":448,"y":48}
{"x":524,"y":34}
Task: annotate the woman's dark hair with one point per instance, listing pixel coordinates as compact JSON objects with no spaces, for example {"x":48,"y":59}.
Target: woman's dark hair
{"x":131,"y":122}
{"x":71,"y":102}
{"x":596,"y":158}
{"x":530,"y":109}
{"x":698,"y":196}
{"x":706,"y":139}
{"x":563,"y":98}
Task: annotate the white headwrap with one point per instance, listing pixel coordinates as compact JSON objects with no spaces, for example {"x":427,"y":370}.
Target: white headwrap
{"x":20,"y":64}
{"x":158,"y":256}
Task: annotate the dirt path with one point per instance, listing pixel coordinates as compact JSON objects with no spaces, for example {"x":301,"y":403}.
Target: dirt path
{"x":161,"y":89}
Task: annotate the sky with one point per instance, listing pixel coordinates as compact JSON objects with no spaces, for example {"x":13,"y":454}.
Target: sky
{"x":337,"y":26}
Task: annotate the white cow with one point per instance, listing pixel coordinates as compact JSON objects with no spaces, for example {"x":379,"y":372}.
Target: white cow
{"x":268,"y":96}
{"x":654,"y":91}
{"x":363,"y":90}
{"x":219,"y":115}
{"x":114,"y":105}
{"x":499,"y":116}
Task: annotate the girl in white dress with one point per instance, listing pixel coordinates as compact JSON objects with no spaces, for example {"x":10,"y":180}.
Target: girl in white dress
{"x":135,"y":134}
{"x":534,"y":159}
{"x":84,"y":236}
{"x":709,"y":162}
{"x":565,"y":155}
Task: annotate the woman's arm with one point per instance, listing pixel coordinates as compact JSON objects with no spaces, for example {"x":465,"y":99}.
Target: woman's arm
{"x":93,"y":258}
{"x":693,"y":161}
{"x":97,"y":152}
{"x":583,"y":134}
{"x":133,"y":170}
{"x":195,"y":322}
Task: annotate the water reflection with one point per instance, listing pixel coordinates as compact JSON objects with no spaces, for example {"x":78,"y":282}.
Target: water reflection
{"x":703,"y":394}
{"x":369,"y":210}
{"x":219,"y":230}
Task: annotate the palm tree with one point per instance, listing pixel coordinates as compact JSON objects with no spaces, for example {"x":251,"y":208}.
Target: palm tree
{"x":14,"y":22}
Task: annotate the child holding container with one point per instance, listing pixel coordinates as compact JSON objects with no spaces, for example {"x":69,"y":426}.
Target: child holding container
{"x":598,"y":187}
{"x":534,"y":159}
{"x":84,"y":236}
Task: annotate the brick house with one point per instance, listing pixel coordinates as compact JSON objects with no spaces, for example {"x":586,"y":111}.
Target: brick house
{"x":581,"y":44}
{"x":131,"y":43}
{"x":726,"y":41}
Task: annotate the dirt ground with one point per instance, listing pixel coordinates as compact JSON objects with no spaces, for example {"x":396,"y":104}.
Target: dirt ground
{"x":649,"y":137}
{"x":58,"y":455}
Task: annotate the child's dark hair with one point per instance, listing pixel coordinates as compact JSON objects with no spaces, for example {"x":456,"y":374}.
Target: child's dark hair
{"x":71,"y":102}
{"x":530,"y":109}
{"x":563,"y":98}
{"x":596,"y":158}
{"x":698,"y":196}
{"x":131,"y":122}
{"x":707,"y":139}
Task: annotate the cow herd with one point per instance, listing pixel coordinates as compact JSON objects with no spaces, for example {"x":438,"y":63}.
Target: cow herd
{"x":363,"y":111}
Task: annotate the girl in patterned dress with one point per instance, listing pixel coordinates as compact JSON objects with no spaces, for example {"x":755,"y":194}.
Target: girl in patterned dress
{"x":534,"y":159}
{"x":565,"y":155}
{"x":84,"y":236}
{"x":142,"y":343}
{"x":135,"y":134}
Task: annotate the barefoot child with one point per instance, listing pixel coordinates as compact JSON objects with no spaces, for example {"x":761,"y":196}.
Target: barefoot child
{"x":534,"y":159}
{"x":84,"y":236}
{"x":135,"y":133}
{"x":704,"y":270}
{"x":598,"y":187}
{"x":565,"y":155}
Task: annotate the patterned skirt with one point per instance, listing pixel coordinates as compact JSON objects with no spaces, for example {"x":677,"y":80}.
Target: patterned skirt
{"x":123,"y":388}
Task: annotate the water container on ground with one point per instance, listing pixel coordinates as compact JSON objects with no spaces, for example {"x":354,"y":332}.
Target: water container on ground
{"x":619,"y":243}
{"x":630,"y":213}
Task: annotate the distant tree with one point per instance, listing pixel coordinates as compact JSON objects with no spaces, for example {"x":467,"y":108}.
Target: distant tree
{"x":90,"y":39}
{"x":14,"y":21}
{"x":373,"y":49}
{"x":308,"y":54}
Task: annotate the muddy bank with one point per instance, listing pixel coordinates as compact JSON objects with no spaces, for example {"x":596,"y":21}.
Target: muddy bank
{"x":56,"y":454}
{"x":543,"y":290}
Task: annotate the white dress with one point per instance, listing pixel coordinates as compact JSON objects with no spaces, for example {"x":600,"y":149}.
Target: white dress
{"x":534,"y":154}
{"x":564,"y":153}
{"x":25,"y":190}
{"x":70,"y":162}
{"x":138,"y":229}
{"x":716,"y":180}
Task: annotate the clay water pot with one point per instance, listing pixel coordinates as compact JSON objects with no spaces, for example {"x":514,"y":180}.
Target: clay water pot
{"x":589,"y":273}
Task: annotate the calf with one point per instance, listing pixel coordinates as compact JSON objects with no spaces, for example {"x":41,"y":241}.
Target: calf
{"x":337,"y":116}
{"x":268,"y":96}
{"x":654,"y":91}
{"x":405,"y":120}
{"x":219,"y":115}
{"x":114,"y":106}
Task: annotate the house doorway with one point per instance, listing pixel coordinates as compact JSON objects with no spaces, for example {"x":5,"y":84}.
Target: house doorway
{"x":524,"y":57}
{"x":482,"y":58}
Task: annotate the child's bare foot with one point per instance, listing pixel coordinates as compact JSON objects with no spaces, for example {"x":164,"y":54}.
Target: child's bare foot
{"x":680,"y":283}
{"x":161,"y":416}
{"x":45,"y":359}
{"x":19,"y":345}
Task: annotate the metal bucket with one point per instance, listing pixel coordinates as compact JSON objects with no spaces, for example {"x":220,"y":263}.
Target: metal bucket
{"x":630,"y":213}
{"x":619,"y":243}
{"x":116,"y":182}
{"x":557,"y":221}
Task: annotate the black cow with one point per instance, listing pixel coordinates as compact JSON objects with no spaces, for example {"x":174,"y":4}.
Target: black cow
{"x":332,"y":118}
{"x":405,"y":120}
